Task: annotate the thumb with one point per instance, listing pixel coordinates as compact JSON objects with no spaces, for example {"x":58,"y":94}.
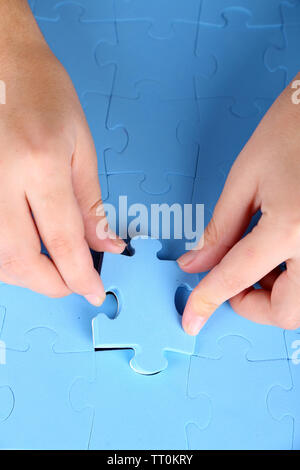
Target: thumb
{"x":230,"y":219}
{"x":88,"y":193}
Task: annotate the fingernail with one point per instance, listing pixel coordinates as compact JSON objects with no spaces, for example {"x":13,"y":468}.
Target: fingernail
{"x":119,"y":243}
{"x":96,"y":300}
{"x":187,"y":258}
{"x":192,"y":323}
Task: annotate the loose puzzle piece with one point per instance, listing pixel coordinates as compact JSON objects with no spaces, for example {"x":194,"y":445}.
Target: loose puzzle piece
{"x":40,"y":379}
{"x":126,"y":196}
{"x":69,"y":317}
{"x":96,"y":109}
{"x":94,"y":10}
{"x":134,"y":411}
{"x":238,"y":391}
{"x":74,"y":43}
{"x":161,"y":13}
{"x":160,"y":137}
{"x":154,"y":327}
{"x":262,"y":13}
{"x":172,"y":61}
{"x":283,"y":402}
{"x":286,"y":57}
{"x":239,"y":52}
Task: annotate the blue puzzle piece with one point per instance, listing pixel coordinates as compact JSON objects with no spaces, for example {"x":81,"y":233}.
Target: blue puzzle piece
{"x":238,"y":391}
{"x":74,"y":43}
{"x":161,"y":13}
{"x":155,"y":326}
{"x":42,"y":417}
{"x":96,"y":109}
{"x":261,"y":12}
{"x":160,"y":137}
{"x":94,"y":10}
{"x":283,"y":402}
{"x":286,"y":57}
{"x":69,"y":317}
{"x":239,"y":52}
{"x":133,"y":411}
{"x":179,"y":191}
{"x":171,"y":61}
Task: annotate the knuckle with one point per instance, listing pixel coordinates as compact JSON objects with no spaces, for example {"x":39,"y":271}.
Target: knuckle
{"x":202,"y":305}
{"x":60,"y":244}
{"x":13,"y":263}
{"x":212,"y":233}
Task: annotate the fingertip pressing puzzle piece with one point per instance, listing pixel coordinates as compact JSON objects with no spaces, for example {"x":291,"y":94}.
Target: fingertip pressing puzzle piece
{"x":286,"y":56}
{"x":156,"y":326}
{"x":250,"y":45}
{"x":261,"y":13}
{"x":77,"y":49}
{"x":238,"y":423}
{"x":161,"y":13}
{"x":40,"y":380}
{"x":134,"y":411}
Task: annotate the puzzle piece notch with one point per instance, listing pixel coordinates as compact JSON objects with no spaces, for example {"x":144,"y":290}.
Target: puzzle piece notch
{"x":155,"y":328}
{"x":92,"y":10}
{"x":160,"y":13}
{"x":251,"y":44}
{"x":266,"y":13}
{"x":240,"y":415}
{"x":285,"y":57}
{"x":172,"y":61}
{"x":120,"y":402}
{"x":7,"y":403}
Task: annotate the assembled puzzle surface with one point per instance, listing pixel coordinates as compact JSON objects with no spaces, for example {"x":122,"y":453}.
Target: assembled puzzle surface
{"x":172,"y":91}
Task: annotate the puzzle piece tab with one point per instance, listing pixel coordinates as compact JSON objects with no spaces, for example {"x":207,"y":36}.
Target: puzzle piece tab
{"x":155,"y":327}
{"x":160,"y":138}
{"x":161,"y":13}
{"x":238,"y":390}
{"x":134,"y":411}
{"x":262,"y":13}
{"x":238,"y":51}
{"x":74,"y":43}
{"x":93,"y":10}
{"x":40,"y":380}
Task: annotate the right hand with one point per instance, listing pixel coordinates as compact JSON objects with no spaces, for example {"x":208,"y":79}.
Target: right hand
{"x":49,"y":184}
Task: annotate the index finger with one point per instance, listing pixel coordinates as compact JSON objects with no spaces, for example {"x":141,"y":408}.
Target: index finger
{"x":249,"y":260}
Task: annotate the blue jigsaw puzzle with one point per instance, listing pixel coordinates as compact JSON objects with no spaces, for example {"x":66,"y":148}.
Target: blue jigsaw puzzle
{"x":238,"y":424}
{"x":284,"y":57}
{"x":172,"y":62}
{"x":234,"y":48}
{"x":134,"y":411}
{"x":261,"y":12}
{"x":221,"y":63}
{"x":160,"y":129}
{"x":156,"y":327}
{"x":40,"y":380}
{"x":162,"y":14}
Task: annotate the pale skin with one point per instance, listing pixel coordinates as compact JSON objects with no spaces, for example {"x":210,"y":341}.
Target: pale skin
{"x":265,"y":176}
{"x":49,"y":170}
